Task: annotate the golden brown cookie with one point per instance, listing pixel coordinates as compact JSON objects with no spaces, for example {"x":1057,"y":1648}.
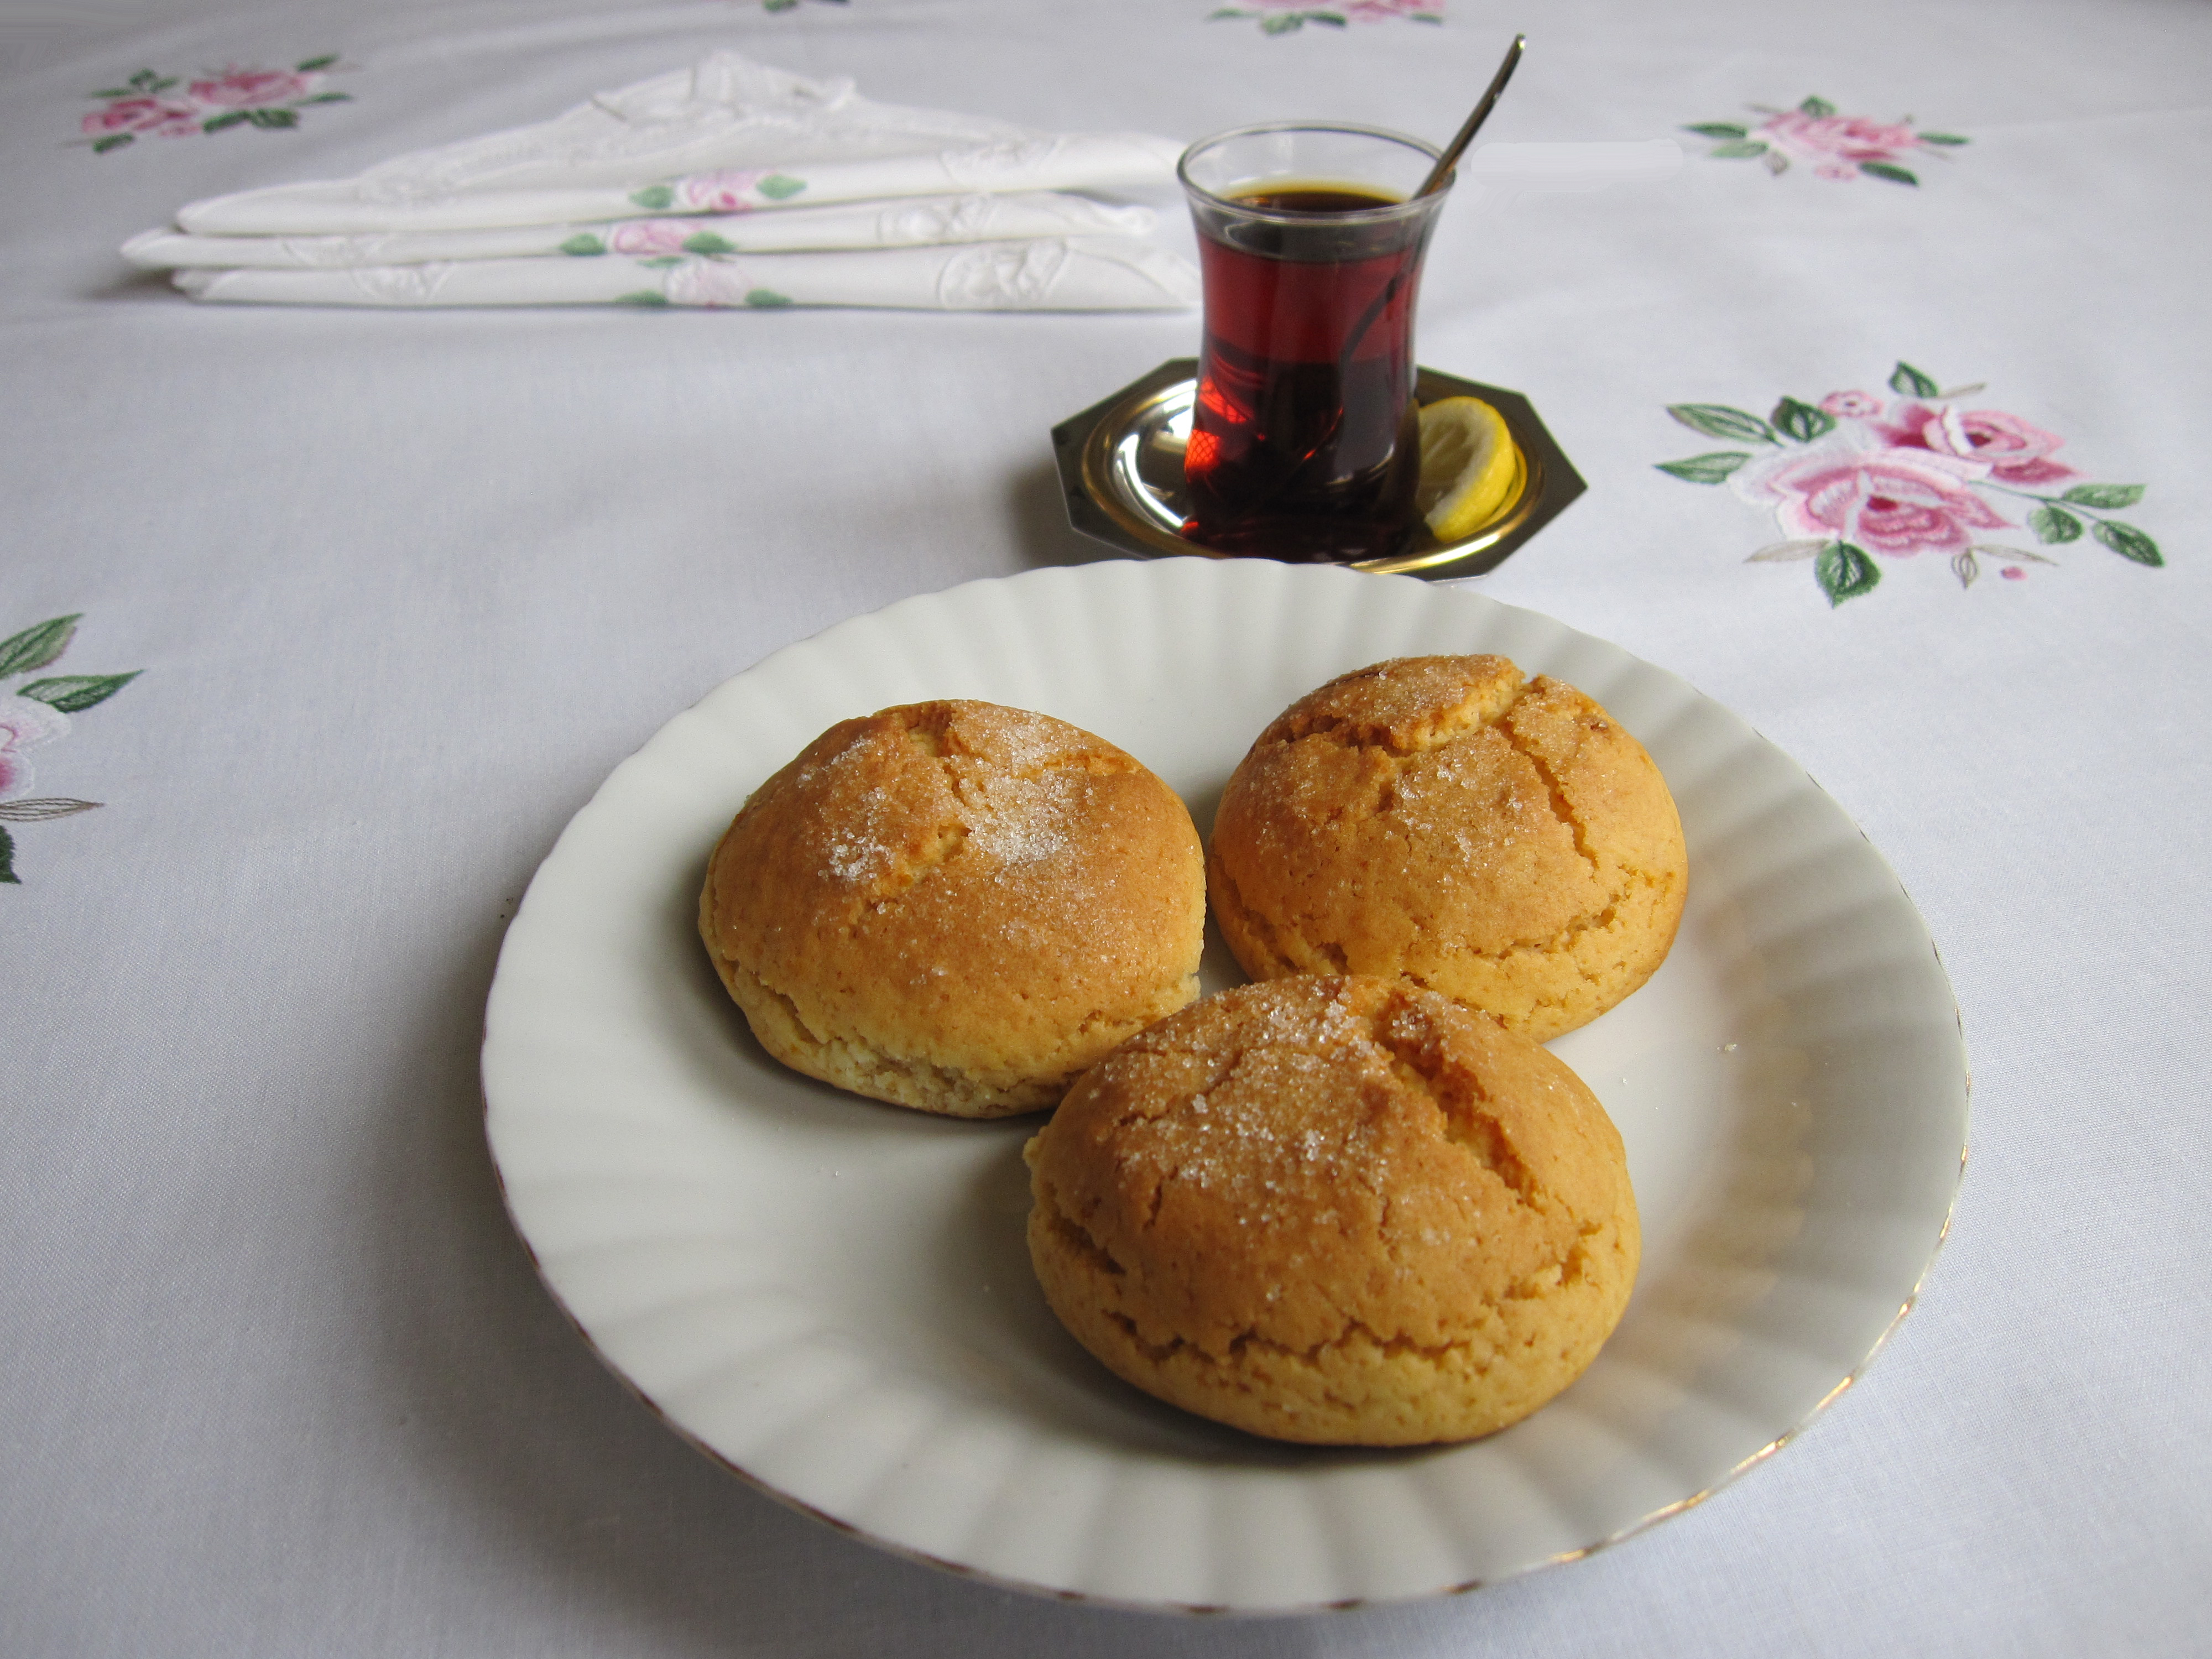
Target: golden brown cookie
{"x":956,"y":906}
{"x":1500,"y":839}
{"x":1343,"y":1211}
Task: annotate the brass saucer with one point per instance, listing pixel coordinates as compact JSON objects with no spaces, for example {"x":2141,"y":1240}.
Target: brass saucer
{"x":1121,"y":465}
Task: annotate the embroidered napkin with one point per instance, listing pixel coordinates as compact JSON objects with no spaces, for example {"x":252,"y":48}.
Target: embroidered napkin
{"x":806,"y":164}
{"x":1060,"y":273}
{"x":914,"y":222}
{"x":724,"y":134}
{"x":417,"y":195}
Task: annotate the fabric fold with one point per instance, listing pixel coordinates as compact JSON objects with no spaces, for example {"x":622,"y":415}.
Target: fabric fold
{"x":724,"y":135}
{"x":1064,"y":273}
{"x":1075,"y":162}
{"x":903,"y":223}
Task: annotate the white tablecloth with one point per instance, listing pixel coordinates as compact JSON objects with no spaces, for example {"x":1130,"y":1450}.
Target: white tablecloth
{"x":399,"y":589}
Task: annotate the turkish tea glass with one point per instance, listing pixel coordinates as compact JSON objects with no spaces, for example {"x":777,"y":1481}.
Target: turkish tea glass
{"x":1305,"y":441}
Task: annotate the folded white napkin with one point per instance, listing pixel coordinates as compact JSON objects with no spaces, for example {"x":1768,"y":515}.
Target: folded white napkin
{"x":893,"y":206}
{"x":906,"y":222}
{"x":1060,"y":273}
{"x":728,"y":134}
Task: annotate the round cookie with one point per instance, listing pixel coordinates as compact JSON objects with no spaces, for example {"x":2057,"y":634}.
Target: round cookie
{"x":956,"y":906}
{"x":1502,"y":841}
{"x":1343,"y":1211}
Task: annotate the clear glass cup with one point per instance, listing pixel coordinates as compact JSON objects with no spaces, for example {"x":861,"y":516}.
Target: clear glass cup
{"x":1305,"y":441}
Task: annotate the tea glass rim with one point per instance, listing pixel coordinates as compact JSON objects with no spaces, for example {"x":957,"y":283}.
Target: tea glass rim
{"x":1411,"y":206}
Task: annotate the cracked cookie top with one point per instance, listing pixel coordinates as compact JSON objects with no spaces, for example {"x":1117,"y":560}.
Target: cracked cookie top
{"x":1499,"y":839}
{"x":1336,"y":1209}
{"x":955,"y":905}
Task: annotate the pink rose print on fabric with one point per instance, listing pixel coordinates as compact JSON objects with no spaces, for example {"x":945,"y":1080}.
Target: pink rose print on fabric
{"x":24,"y":725}
{"x":1855,"y":479}
{"x":648,"y":237}
{"x":1885,"y":501}
{"x":127,"y":117}
{"x":34,"y":713}
{"x":702,"y":275}
{"x":217,"y":100}
{"x":710,"y":282}
{"x":728,"y":191}
{"x":731,"y":190}
{"x":1850,"y":402}
{"x":1836,"y":147}
{"x":1288,"y":16}
{"x":243,"y":88}
{"x":2015,"y":451}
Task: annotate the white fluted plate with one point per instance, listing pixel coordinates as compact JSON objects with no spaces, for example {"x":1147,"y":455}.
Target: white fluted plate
{"x":834,"y":1296}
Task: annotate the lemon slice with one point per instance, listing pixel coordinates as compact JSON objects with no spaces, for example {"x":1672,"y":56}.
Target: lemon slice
{"x":1469,"y":467}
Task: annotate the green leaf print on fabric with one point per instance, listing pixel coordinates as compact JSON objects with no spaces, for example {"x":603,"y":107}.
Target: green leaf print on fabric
{"x":1707,"y":469}
{"x":74,"y":693}
{"x":1283,"y":17}
{"x":1910,"y":382}
{"x":1801,"y":421}
{"x":2054,"y":523}
{"x":1844,"y":572}
{"x":2128,"y":542}
{"x":38,"y":811}
{"x":2109,"y":496}
{"x":1719,"y":421}
{"x":38,"y":645}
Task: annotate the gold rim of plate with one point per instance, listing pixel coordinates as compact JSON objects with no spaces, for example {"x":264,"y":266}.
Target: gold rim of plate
{"x":1121,"y":468}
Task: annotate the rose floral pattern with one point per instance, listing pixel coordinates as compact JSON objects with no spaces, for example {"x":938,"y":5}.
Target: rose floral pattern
{"x":1289,"y":16}
{"x":1856,"y":478}
{"x":36,"y":713}
{"x":664,"y":242}
{"x":148,"y":105}
{"x":699,"y":275}
{"x":729,"y":191}
{"x":651,"y":241}
{"x":648,"y":239}
{"x":1837,"y":147}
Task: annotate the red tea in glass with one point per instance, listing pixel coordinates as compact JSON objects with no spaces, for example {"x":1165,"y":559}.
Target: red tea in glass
{"x":1305,"y":441}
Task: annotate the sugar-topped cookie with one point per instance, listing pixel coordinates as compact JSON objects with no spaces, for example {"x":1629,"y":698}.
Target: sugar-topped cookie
{"x":1498,"y":839}
{"x":956,"y":906}
{"x":1340,"y":1210}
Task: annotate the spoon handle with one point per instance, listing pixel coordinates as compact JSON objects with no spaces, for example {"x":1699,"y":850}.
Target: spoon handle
{"x":1476,"y":117}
